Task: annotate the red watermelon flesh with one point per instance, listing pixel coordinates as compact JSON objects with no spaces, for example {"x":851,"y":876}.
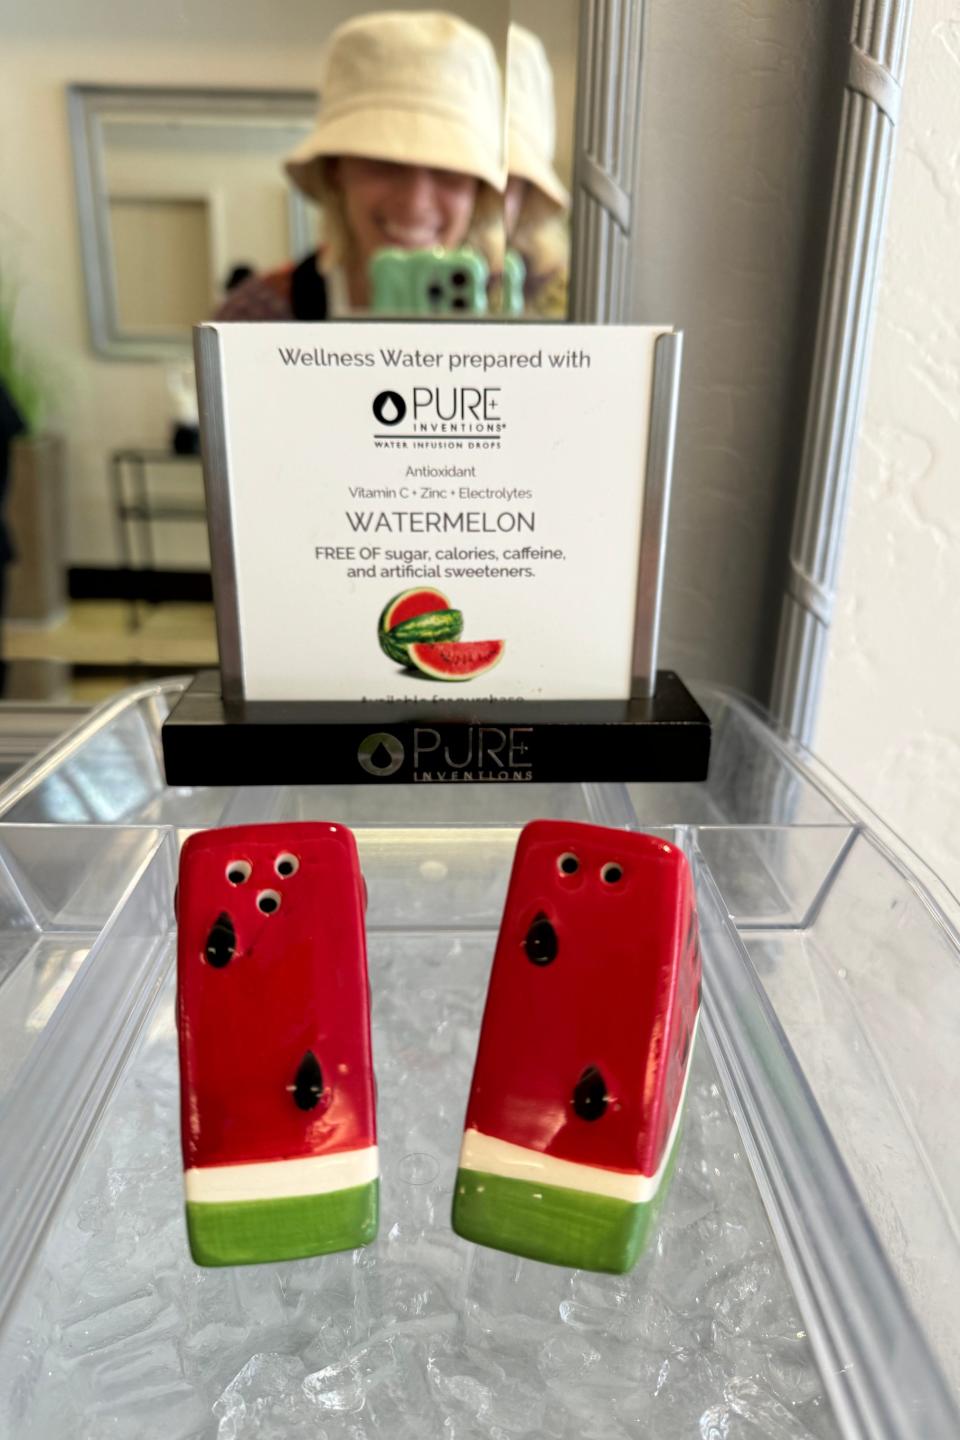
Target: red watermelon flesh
{"x":618,"y":999}
{"x":288,"y":1008}
{"x":410,"y":603}
{"x":457,"y":659}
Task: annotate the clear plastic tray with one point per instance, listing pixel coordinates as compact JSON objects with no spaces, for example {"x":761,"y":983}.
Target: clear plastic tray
{"x":812,"y":1224}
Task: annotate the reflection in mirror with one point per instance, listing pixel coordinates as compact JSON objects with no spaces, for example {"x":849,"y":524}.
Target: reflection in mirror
{"x":177,"y":190}
{"x":540,"y":120}
{"x":257,"y":199}
{"x":406,"y":164}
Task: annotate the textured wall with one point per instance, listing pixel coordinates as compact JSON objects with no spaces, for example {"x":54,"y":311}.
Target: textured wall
{"x":739,"y":120}
{"x":890,"y":714}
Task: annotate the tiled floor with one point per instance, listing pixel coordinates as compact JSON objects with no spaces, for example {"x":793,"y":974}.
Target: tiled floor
{"x":102,"y":646}
{"x":102,"y":632}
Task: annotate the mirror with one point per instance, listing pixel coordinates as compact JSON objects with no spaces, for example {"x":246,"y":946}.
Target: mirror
{"x":178,"y":191}
{"x":183,"y":194}
{"x":541,"y":89}
{"x":135,"y":204}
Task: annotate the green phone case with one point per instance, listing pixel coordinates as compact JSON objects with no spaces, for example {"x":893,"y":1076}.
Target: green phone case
{"x":514,"y":275}
{"x":429,"y":282}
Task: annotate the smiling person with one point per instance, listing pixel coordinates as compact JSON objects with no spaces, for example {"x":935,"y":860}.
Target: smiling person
{"x":407,"y":152}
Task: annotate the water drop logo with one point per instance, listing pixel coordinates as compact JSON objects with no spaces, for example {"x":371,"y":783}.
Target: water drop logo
{"x":380,"y":755}
{"x":389,"y":407}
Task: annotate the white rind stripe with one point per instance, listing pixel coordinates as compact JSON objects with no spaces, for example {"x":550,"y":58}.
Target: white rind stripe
{"x":282,"y":1179}
{"x":518,"y":1162}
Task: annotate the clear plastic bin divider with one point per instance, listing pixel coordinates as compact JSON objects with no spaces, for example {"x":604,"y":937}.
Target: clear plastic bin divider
{"x":877,"y":1041}
{"x":252,"y":805}
{"x":20,"y":906}
{"x":774,"y":876}
{"x":610,"y":804}
{"x":880,"y":1375}
{"x":59,"y":886}
{"x":62,"y":1083}
{"x":832,"y":999}
{"x":755,"y":778}
{"x":108,"y":765}
{"x":71,"y":877}
{"x":421,"y":1332}
{"x":421,"y":878}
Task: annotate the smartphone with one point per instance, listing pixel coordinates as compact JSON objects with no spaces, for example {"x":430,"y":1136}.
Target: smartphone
{"x":429,"y":282}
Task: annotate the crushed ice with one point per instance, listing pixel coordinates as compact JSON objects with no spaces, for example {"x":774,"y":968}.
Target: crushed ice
{"x":420,"y":1335}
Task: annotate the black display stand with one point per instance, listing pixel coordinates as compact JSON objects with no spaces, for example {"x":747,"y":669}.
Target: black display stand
{"x":207,"y":741}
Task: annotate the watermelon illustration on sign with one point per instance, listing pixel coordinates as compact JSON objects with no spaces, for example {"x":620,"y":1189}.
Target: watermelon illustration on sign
{"x":457,"y":659}
{"x":573,"y":1121}
{"x":419,"y":629}
{"x":429,"y":628}
{"x":277,"y":1092}
{"x":408,"y":604}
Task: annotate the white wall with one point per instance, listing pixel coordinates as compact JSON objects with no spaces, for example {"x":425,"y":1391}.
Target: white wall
{"x":100,"y":404}
{"x":890,"y":715}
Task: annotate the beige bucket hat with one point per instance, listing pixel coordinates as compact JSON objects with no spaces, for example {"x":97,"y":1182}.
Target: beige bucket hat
{"x":418,"y":88}
{"x":531,"y":116}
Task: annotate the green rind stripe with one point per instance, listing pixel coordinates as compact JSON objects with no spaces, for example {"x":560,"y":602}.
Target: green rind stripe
{"x":430,"y":628}
{"x":399,"y":653}
{"x":560,"y":1226}
{"x":249,"y":1232}
{"x":434,"y":625}
{"x":546,"y":1222}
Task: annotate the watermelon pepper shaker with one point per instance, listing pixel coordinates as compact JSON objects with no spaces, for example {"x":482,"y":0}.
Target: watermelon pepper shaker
{"x":584,"y":1054}
{"x":277,"y":1092}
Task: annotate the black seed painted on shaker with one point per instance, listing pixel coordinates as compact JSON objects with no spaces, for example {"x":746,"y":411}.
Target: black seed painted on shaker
{"x":308,"y":1085}
{"x":381,"y":757}
{"x":590,"y":1094}
{"x":541,"y":943}
{"x":221,"y":942}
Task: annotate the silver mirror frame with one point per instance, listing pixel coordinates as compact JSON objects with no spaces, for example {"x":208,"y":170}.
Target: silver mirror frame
{"x":607,"y":123}
{"x":608,"y":111}
{"x":86,"y":107}
{"x":875,"y":67}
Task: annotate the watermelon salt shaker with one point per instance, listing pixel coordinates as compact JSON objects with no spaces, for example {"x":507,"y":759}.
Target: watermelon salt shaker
{"x":277,"y":1103}
{"x":573,"y":1118}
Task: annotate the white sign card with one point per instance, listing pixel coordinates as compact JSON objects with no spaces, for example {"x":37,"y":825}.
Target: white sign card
{"x":497,"y":468}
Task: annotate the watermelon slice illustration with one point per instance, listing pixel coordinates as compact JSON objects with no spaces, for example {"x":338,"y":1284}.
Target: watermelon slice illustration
{"x":574,"y":1112}
{"x":428,"y":628}
{"x":408,"y":604}
{"x":456,"y":659}
{"x":277,"y":1092}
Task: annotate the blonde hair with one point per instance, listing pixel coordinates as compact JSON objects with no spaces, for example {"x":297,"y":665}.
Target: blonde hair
{"x":542,"y":235}
{"x":485,"y":232}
